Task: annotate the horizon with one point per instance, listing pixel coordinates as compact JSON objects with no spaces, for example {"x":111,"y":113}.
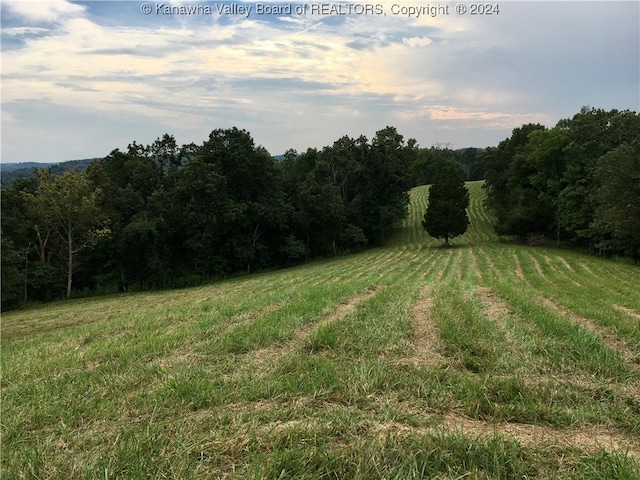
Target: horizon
{"x":273,"y":155}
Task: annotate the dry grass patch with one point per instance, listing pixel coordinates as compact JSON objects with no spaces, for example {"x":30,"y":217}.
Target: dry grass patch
{"x":586,"y":268}
{"x":587,"y":439}
{"x":495,"y":308}
{"x":265,"y":360}
{"x":566,"y":264}
{"x":497,"y":311}
{"x":176,"y":358}
{"x":426,"y":336}
{"x":494,"y":269}
{"x":295,"y":405}
{"x":254,"y":314}
{"x":518,"y":270}
{"x":445,"y":267}
{"x":585,"y":382}
{"x":627,"y":311}
{"x":609,"y":338}
{"x":341,"y":310}
{"x":558,"y":272}
{"x":538,"y":268}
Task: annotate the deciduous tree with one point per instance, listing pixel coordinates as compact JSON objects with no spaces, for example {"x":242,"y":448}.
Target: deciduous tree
{"x":618,"y":200}
{"x":68,"y":208}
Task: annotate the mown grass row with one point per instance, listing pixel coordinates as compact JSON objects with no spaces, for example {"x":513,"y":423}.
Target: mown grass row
{"x":485,"y":360}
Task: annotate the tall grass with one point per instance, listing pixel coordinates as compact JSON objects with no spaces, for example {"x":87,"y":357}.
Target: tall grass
{"x":484,"y":360}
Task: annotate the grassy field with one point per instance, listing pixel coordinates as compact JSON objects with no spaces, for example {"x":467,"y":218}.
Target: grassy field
{"x":484,"y":360}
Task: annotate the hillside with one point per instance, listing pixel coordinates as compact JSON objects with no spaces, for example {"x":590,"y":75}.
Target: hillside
{"x":10,"y":172}
{"x":485,"y":360}
{"x":12,"y":167}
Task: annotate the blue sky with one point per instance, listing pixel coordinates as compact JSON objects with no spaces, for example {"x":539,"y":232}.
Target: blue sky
{"x":80,"y":79}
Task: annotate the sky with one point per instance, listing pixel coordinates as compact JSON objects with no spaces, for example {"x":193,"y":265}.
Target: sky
{"x":80,"y":79}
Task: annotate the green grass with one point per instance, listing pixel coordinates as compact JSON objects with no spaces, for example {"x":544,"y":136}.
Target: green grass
{"x":486,"y":360}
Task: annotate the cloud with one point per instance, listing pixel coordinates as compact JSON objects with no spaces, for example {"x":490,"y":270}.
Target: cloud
{"x":305,"y":80}
{"x":417,"y":41}
{"x":45,"y":10}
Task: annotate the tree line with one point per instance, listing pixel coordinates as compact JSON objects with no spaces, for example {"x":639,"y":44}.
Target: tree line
{"x":577,"y":182}
{"x":163,"y":215}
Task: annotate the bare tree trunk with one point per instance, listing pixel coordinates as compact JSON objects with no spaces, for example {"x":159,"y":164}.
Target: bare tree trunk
{"x":70,"y":263}
{"x":42,"y":245}
{"x":124,"y":283}
{"x":558,"y":225}
{"x":256,"y":235}
{"x":26,"y":271}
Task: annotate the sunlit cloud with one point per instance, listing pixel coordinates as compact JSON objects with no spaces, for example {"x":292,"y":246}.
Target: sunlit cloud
{"x":45,"y":10}
{"x":305,"y":80}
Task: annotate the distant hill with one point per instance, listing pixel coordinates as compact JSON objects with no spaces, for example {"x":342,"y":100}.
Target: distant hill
{"x":9,"y":172}
{"x":12,"y":167}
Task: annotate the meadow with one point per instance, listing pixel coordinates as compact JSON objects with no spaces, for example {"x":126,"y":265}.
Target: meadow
{"x":487,"y":360}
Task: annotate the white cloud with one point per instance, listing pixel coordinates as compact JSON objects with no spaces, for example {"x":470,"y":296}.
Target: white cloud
{"x":417,"y":41}
{"x":304,"y":81}
{"x":17,"y":31}
{"x":44,"y":10}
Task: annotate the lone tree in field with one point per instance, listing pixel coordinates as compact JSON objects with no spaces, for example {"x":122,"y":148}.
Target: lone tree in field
{"x":446,"y":215}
